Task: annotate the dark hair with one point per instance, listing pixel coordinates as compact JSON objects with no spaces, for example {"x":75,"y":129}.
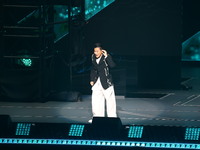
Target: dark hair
{"x":98,"y":45}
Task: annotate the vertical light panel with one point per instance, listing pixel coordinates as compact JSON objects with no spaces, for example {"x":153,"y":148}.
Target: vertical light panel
{"x":76,"y":130}
{"x":135,"y":132}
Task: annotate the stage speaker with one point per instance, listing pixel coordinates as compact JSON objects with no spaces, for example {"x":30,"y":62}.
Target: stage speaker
{"x":106,"y":128}
{"x":5,"y":125}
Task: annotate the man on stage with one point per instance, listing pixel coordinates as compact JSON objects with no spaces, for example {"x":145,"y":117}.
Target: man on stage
{"x":102,"y":85}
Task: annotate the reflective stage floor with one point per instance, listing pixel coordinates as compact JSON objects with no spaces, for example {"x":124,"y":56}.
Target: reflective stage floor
{"x":174,"y":108}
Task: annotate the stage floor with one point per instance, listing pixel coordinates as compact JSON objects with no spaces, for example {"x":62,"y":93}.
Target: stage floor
{"x":175,"y":108}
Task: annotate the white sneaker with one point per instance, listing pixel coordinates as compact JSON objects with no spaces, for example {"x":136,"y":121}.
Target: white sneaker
{"x":90,"y":121}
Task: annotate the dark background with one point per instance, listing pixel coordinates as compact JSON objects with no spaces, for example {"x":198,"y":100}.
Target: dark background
{"x":149,"y":32}
{"x":143,"y":36}
{"x":140,"y":27}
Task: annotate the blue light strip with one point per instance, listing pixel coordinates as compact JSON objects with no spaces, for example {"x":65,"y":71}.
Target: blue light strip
{"x":99,"y":143}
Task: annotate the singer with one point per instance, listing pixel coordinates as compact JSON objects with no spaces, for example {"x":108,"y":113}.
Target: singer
{"x":102,"y":85}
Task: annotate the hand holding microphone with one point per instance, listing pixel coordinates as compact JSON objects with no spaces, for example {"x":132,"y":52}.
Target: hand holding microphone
{"x":105,"y":53}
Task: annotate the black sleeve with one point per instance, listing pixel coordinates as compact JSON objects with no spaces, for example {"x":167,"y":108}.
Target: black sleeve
{"x":92,"y":73}
{"x":110,"y":61}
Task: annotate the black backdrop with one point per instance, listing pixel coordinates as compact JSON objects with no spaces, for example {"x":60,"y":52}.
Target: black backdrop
{"x":148,"y":30}
{"x":139,"y":27}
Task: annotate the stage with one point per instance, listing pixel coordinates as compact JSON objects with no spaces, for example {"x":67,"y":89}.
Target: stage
{"x":173,"y":108}
{"x":45,"y":64}
{"x":176,"y":109}
{"x":157,"y":118}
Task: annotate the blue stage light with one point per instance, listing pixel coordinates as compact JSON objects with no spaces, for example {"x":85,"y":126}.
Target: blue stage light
{"x":135,"y":131}
{"x":192,"y":133}
{"x":166,"y":145}
{"x":76,"y":130}
{"x":23,"y":129}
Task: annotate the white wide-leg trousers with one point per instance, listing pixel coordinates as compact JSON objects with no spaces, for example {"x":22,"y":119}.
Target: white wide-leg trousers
{"x":99,"y":97}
